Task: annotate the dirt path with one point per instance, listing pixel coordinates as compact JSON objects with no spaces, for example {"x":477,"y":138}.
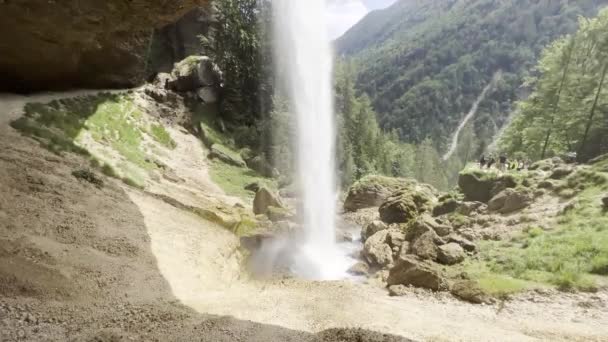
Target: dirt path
{"x":79,"y":263}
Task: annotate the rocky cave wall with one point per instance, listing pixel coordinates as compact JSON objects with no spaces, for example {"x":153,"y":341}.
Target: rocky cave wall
{"x":55,"y":45}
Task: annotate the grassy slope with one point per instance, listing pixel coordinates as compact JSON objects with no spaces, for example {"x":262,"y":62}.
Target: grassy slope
{"x":573,"y":255}
{"x":110,"y":119}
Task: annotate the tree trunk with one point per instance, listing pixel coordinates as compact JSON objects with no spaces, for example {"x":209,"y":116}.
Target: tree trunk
{"x":592,"y":112}
{"x":556,"y":104}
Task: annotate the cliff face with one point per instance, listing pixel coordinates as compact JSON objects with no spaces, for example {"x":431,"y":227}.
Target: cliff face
{"x":86,"y":43}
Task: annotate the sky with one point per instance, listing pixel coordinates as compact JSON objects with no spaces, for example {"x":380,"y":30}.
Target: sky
{"x":343,"y":14}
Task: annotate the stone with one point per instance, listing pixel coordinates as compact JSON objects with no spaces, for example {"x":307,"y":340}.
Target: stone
{"x":480,"y":186}
{"x":425,"y":223}
{"x":425,"y":246}
{"x":264,"y":199}
{"x":466,"y":244}
{"x":395,"y":238}
{"x":406,"y":204}
{"x":208,"y":94}
{"x":359,"y":269}
{"x":605,"y":202}
{"x":446,"y":207}
{"x":377,"y":251}
{"x":193,"y":73}
{"x":224,"y":154}
{"x":470,"y":208}
{"x":469,"y":291}
{"x":562,"y":172}
{"x":397,"y":290}
{"x":372,"y":228}
{"x":410,"y":270}
{"x":510,"y":200}
{"x":371,"y":191}
{"x":546,"y":184}
{"x":451,"y":254}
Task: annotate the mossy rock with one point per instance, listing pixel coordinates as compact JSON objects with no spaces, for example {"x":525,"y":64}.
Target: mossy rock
{"x":408,"y":203}
{"x":372,"y":190}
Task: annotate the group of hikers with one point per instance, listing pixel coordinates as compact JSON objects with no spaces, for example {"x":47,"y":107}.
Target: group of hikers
{"x":502,"y":163}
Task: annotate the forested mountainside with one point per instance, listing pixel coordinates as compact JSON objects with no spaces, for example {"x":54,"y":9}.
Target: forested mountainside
{"x":424,"y":63}
{"x":567,"y":112}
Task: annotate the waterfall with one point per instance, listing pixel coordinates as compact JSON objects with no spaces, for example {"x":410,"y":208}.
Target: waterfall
{"x":304,"y":62}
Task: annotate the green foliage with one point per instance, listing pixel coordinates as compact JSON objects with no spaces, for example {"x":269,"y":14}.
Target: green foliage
{"x":160,"y":134}
{"x":423,"y":63}
{"x":567,"y":110}
{"x":239,"y":42}
{"x":233,"y":179}
{"x":565,"y":256}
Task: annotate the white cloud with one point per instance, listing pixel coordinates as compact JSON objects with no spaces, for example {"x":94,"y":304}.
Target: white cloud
{"x":343,"y":14}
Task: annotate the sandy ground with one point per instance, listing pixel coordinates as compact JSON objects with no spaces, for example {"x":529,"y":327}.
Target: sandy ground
{"x":79,"y":263}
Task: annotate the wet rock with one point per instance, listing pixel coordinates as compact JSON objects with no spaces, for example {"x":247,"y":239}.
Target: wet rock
{"x":372,"y":228}
{"x":359,"y":269}
{"x":450,"y":254}
{"x":510,"y":200}
{"x":377,"y":250}
{"x":264,"y":199}
{"x":419,"y":273}
{"x":408,"y":203}
{"x":469,"y":291}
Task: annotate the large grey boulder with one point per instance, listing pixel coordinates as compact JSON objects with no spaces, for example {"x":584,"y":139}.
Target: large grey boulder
{"x":193,"y":73}
{"x":408,"y":203}
{"x":372,"y":228}
{"x":377,"y":251}
{"x":371,"y":191}
{"x":264,"y":199}
{"x":510,"y":200}
{"x":425,"y":246}
{"x":451,"y":254}
{"x":410,"y":270}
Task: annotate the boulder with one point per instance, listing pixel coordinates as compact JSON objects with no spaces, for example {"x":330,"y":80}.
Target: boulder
{"x":208,"y":94}
{"x":510,"y":200}
{"x":224,"y":154}
{"x":425,"y":246}
{"x":562,"y":172}
{"x":451,"y":254}
{"x":448,"y":206}
{"x":408,"y":203}
{"x":469,"y":291}
{"x":466,"y":244}
{"x":371,"y":191}
{"x":372,"y":228}
{"x":423,"y":224}
{"x":410,"y":270}
{"x":469,"y":208}
{"x":265,"y":199}
{"x":480,"y":186}
{"x":193,"y":73}
{"x":397,"y":290}
{"x":377,"y":251}
{"x":395,"y":238}
{"x":546,"y":184}
{"x":359,"y":269}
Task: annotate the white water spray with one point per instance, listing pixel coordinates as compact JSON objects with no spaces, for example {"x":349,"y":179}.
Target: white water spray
{"x":304,"y":60}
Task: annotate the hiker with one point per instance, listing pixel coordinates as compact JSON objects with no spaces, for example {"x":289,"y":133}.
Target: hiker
{"x":491,"y":162}
{"x":502,"y":162}
{"x":482,"y":161}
